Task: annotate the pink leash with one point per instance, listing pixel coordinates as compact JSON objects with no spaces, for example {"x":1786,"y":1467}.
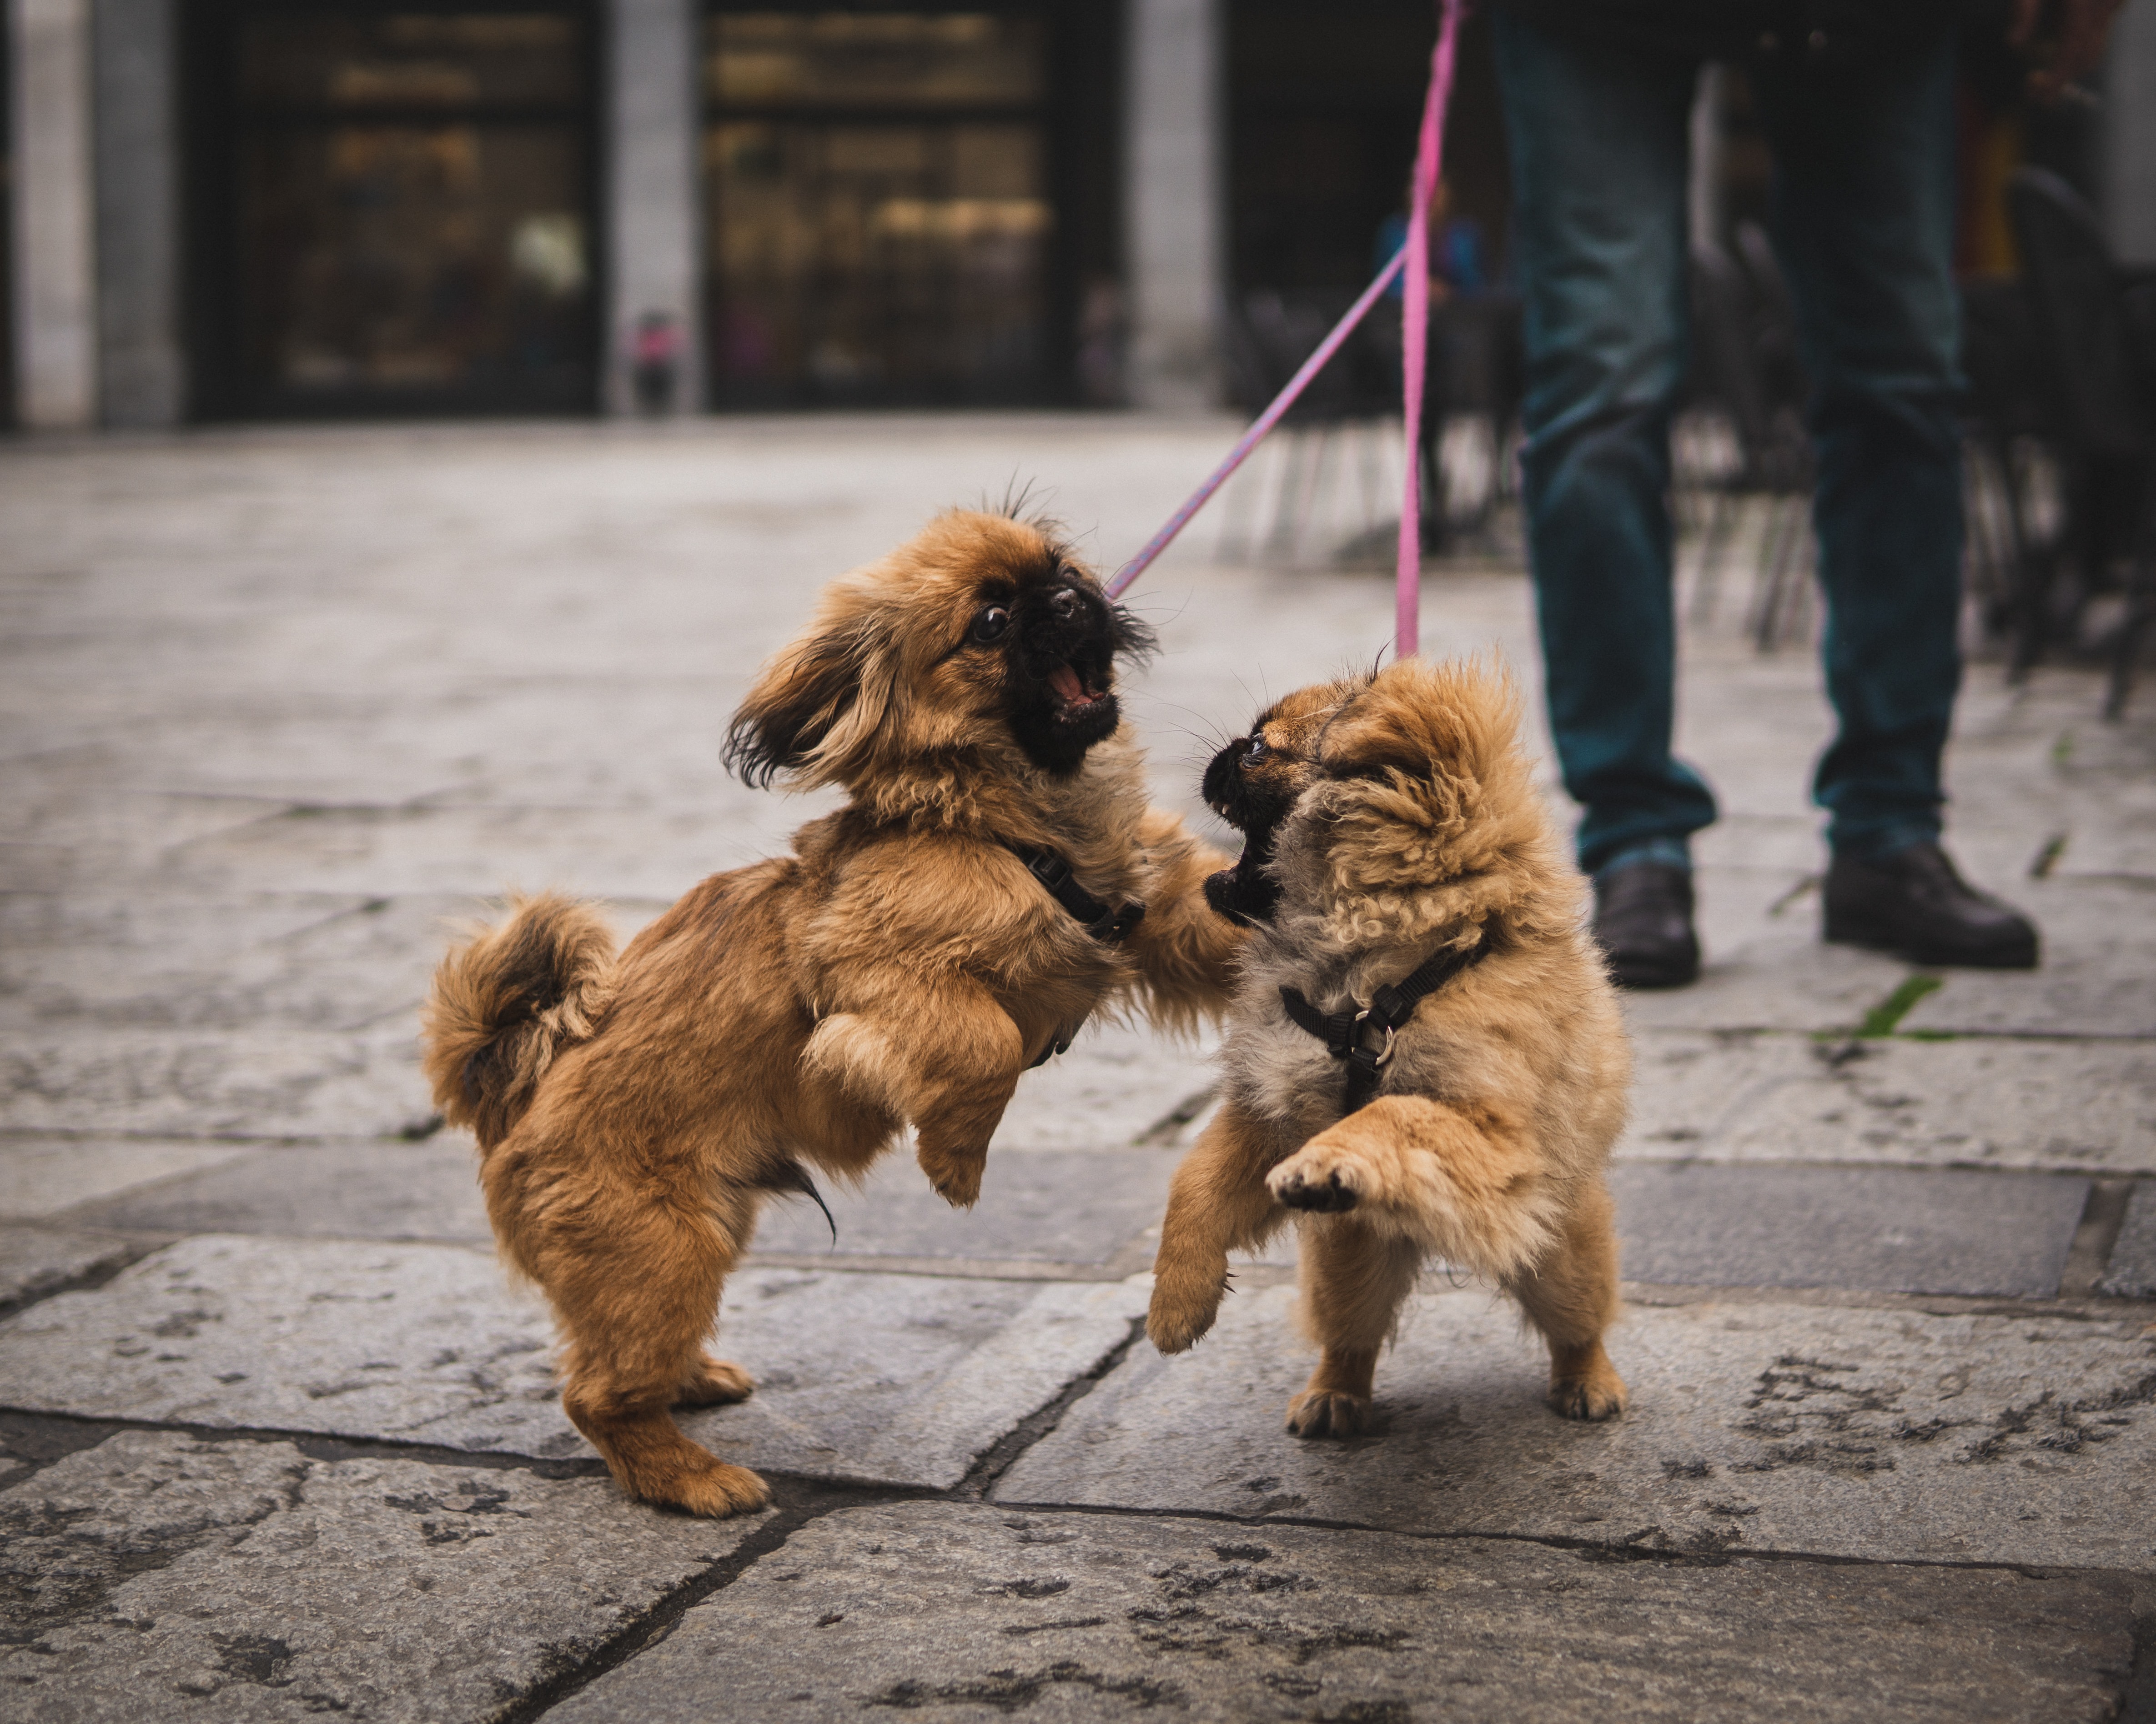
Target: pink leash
{"x":1415,"y":256}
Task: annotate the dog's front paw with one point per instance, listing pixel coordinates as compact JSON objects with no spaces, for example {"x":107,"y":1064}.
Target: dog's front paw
{"x":1313,"y":1179}
{"x":713,"y":1382}
{"x":1327,"y":1413}
{"x":1180,"y":1313}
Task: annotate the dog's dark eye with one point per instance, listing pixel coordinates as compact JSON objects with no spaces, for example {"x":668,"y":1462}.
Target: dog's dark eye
{"x":1255,"y":752}
{"x":989,"y":623}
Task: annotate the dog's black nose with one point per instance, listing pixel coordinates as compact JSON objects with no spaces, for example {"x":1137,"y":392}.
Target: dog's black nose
{"x":1067,"y":606}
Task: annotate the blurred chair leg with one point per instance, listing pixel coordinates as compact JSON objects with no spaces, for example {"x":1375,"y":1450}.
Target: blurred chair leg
{"x":1369,"y":475}
{"x":1783,"y":524}
{"x":2126,"y":650}
{"x":1240,"y":507}
{"x":1986,"y":557}
{"x":1321,"y":483}
{"x":2140,"y":605}
{"x":1294,"y":458}
{"x":1706,"y":575}
{"x":2032,"y":579}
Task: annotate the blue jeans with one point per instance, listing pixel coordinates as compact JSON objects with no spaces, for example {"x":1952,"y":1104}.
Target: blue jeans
{"x":1862,"y":218}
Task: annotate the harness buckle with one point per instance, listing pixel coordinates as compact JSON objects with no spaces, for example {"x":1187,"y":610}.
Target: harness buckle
{"x":1372,"y":1061}
{"x":1110,"y":928}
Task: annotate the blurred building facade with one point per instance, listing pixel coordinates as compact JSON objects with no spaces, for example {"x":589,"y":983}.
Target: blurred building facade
{"x":263,"y":208}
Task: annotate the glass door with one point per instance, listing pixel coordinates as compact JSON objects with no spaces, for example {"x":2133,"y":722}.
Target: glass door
{"x":880,"y":224}
{"x":401,"y":211}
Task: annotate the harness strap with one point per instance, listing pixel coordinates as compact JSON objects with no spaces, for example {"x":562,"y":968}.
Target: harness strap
{"x":1345,"y":1033}
{"x":1052,"y":869}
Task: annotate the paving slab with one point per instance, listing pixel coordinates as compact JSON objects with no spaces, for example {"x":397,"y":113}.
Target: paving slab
{"x":33,"y":1260}
{"x":1073,"y":1207}
{"x":1883,"y":1434}
{"x":169,"y":958}
{"x":214,"y":1083}
{"x":1892,"y":1230}
{"x":2099,"y":953}
{"x":1763,"y":971}
{"x":2132,"y":1271}
{"x":44,"y":1175}
{"x":1972,"y":1101}
{"x":1118,"y":1082}
{"x":971,"y":1614}
{"x":155,"y":1574}
{"x":1076,"y":1206}
{"x":900,"y":1379}
{"x":355,"y":1189}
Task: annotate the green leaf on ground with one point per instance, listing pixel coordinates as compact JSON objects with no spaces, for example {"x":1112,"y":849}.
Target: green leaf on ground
{"x":1881,"y":1019}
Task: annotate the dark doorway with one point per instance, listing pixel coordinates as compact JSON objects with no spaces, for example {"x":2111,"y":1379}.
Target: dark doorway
{"x":393,"y":208}
{"x":1323,"y":107}
{"x":905,"y":208}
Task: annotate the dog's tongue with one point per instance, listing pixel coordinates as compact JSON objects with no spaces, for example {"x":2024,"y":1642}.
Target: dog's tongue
{"x":1064,"y":681}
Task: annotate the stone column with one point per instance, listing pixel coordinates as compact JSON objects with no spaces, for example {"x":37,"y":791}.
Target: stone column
{"x":1175,"y":206}
{"x":654,"y":230}
{"x":2129,"y":125}
{"x":141,"y":374}
{"x":56,"y":292}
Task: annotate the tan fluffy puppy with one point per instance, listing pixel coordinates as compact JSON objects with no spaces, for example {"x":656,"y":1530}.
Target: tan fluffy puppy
{"x":901,"y":967}
{"x":1392,"y":823}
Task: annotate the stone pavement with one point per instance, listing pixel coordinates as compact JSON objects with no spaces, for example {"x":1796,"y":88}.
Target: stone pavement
{"x":279,"y":1438}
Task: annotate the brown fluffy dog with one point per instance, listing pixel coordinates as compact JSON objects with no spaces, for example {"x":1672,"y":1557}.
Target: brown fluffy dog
{"x":1393,"y":831}
{"x":902,"y":967}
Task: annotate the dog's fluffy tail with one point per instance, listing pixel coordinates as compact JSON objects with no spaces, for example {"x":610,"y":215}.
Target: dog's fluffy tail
{"x":506,"y":1002}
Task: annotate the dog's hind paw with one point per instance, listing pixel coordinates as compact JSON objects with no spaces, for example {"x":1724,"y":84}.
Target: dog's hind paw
{"x":1593,"y":1397}
{"x":1327,"y":1413}
{"x":713,"y":1382}
{"x":715,"y":1492}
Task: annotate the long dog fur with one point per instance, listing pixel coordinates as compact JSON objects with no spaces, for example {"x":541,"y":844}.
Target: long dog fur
{"x":900,"y":967}
{"x":1413,"y":828}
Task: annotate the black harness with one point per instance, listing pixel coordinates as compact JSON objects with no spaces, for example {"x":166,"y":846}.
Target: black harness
{"x":1345,"y":1034}
{"x":1052,"y":869}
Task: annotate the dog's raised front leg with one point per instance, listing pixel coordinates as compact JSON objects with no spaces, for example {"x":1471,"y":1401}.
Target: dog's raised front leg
{"x":946,"y":1061}
{"x":1217,"y":1203}
{"x":1186,"y":949}
{"x":1571,"y":1296}
{"x":1461,"y":1179}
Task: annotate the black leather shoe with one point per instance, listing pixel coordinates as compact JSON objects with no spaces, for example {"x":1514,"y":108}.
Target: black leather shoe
{"x":1643,"y":919}
{"x":1913,"y":904}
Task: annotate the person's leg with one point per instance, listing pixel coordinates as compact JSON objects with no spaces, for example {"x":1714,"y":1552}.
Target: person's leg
{"x":1863,"y":212}
{"x":1599,"y":143}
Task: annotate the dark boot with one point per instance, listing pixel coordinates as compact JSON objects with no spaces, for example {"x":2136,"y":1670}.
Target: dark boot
{"x":1643,"y":921}
{"x":1913,"y":904}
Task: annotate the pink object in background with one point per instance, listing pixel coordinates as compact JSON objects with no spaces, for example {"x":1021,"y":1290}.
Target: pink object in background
{"x":1430,"y":151}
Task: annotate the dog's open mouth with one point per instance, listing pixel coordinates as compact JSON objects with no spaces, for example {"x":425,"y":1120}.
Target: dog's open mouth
{"x":1244,"y":892}
{"x":1075,"y":694}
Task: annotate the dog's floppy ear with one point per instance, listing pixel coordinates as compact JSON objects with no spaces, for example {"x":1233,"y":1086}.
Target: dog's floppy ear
{"x":804,"y":694}
{"x":1424,"y":781}
{"x":1424,"y":721}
